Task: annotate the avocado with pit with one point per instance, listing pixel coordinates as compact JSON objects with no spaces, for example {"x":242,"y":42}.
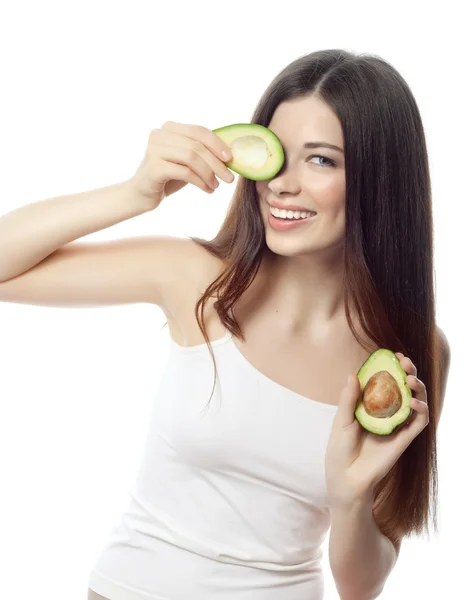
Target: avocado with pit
{"x":257,"y":153}
{"x":384,"y":402}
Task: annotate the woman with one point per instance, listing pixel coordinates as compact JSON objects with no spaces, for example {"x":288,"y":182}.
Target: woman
{"x":253,"y":451}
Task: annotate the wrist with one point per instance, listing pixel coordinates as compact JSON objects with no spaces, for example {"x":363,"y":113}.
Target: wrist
{"x":140,"y":202}
{"x":356,"y":501}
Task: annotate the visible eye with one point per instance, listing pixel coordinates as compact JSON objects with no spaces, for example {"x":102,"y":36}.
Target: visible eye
{"x":331,"y":162}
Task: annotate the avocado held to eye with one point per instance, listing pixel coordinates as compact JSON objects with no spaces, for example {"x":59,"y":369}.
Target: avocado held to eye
{"x":256,"y":151}
{"x":384,"y":402}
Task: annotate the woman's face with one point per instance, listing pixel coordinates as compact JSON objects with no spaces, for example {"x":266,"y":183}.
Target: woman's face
{"x":311,"y":178}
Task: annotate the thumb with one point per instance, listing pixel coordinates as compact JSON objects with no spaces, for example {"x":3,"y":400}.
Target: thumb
{"x":348,"y":400}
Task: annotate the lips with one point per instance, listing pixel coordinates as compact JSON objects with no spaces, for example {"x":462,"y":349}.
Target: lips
{"x":292,"y":207}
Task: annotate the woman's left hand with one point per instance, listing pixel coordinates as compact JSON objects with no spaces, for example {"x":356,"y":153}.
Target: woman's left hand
{"x":355,"y":458}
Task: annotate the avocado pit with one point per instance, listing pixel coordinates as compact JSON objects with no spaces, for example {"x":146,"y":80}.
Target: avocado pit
{"x":382,"y":396}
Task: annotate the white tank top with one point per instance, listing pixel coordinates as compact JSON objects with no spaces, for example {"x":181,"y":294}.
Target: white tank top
{"x":230,"y":501}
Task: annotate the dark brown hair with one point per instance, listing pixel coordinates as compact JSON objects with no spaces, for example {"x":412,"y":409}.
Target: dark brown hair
{"x":389,"y":254}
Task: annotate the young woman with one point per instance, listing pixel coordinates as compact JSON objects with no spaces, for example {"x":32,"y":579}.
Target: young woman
{"x":253,"y":451}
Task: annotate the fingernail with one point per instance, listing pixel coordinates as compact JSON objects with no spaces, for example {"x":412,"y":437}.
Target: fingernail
{"x":225,"y":154}
{"x":228,"y":177}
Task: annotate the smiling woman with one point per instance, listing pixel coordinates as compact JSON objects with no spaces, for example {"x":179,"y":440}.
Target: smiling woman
{"x":235,"y":494}
{"x":362,"y":109}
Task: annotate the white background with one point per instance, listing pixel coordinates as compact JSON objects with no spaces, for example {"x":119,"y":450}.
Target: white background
{"x":83,"y":85}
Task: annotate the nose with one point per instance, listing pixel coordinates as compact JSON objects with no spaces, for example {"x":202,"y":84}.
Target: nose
{"x":285,"y":181}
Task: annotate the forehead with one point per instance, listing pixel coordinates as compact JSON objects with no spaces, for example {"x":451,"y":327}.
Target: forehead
{"x":306,"y":120}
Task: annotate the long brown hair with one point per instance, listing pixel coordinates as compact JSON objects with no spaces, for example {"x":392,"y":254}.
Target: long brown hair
{"x":389,"y":250}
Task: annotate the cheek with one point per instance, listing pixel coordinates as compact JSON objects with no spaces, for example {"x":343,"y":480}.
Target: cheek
{"x":328,"y":195}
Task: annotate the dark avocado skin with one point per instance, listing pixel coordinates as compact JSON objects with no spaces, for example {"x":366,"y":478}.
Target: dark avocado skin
{"x":380,"y":360}
{"x":233,"y":135}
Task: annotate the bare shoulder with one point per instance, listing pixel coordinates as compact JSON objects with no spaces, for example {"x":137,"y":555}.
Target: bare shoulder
{"x":445,"y":352}
{"x":196,"y":270}
{"x":182,"y":270}
{"x":443,"y":368}
{"x":204,"y":266}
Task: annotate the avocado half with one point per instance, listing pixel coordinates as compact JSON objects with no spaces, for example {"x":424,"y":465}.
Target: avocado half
{"x":256,"y":151}
{"x":384,"y":402}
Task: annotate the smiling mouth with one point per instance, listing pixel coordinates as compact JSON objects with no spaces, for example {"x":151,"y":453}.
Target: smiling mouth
{"x":288,"y":208}
{"x":290,"y":215}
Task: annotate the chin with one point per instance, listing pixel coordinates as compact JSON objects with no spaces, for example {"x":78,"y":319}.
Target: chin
{"x":289,"y":248}
{"x":289,"y":243}
{"x":300,"y":243}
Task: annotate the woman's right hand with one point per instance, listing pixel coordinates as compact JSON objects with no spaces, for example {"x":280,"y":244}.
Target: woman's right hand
{"x":178,"y":154}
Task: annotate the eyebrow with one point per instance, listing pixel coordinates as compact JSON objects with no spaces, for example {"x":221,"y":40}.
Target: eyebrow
{"x":322,"y":144}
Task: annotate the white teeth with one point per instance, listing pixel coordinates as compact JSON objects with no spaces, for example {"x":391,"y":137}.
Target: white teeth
{"x":289,"y":214}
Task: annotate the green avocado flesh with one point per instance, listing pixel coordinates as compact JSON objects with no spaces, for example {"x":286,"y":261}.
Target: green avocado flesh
{"x":256,"y":151}
{"x":384,"y":402}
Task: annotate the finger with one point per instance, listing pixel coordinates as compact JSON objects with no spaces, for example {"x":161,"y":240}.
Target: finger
{"x":345,"y":414}
{"x":181,"y":168}
{"x":418,"y":406}
{"x":207,"y":164}
{"x":412,"y":427}
{"x":201,"y":134}
{"x":406,"y":364}
{"x":207,"y":144}
{"x":418,"y":387}
{"x":217,"y":165}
